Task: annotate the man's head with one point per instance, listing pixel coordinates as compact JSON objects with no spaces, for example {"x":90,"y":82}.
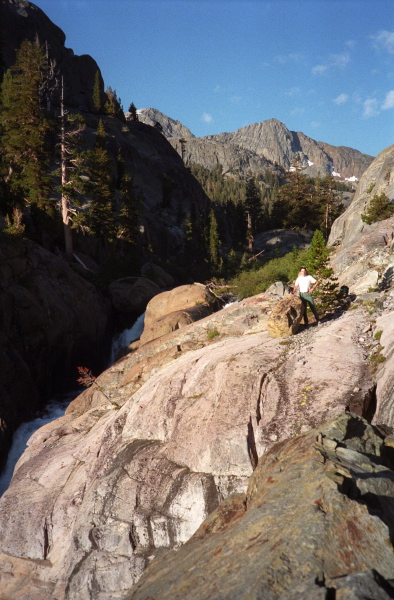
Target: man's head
{"x":303,"y":271}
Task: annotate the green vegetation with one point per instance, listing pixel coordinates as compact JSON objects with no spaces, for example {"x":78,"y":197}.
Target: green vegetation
{"x":379,"y":209}
{"x":377,"y":358}
{"x":212,"y":333}
{"x":378,"y":334}
{"x":285,"y":269}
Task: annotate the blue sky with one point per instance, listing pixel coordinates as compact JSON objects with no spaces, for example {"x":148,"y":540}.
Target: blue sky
{"x":325,"y":68}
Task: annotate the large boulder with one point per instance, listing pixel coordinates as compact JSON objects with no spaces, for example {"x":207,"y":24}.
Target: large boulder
{"x":132,"y":294}
{"x":176,"y":308}
{"x":317,"y":522}
{"x":285,"y":317}
{"x":158,"y":275}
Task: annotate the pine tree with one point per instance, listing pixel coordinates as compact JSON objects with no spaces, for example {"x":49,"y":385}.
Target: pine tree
{"x":133,"y":112}
{"x":96,"y":98}
{"x":214,"y":240}
{"x":72,"y":161}
{"x":319,"y":267}
{"x":24,"y":128}
{"x":379,"y":209}
{"x":295,"y":205}
{"x":101,"y":212}
{"x":253,"y":210}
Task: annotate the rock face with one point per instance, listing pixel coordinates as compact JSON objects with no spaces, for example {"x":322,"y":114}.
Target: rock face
{"x":132,"y":294}
{"x":143,"y":456}
{"x":51,"y":321}
{"x":363,"y":256}
{"x":170,"y":127}
{"x":278,"y":242}
{"x":317,"y":519}
{"x":20,"y":20}
{"x":260,"y":146}
{"x":174,"y":309}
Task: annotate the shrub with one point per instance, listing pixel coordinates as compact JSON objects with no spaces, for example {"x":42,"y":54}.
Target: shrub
{"x":379,"y":209}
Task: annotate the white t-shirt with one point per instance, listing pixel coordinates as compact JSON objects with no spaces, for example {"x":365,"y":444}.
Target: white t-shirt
{"x":305,"y":283}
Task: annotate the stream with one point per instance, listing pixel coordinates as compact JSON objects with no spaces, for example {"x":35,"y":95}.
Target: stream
{"x":57,"y":406}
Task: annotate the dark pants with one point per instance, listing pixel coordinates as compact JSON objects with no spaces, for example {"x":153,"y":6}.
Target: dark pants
{"x":307,"y":300}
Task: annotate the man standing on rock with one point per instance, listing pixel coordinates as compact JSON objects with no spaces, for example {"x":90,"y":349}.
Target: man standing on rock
{"x":306,"y":284}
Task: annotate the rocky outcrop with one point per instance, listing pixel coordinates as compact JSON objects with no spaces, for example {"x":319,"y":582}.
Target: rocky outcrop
{"x":175,"y":309}
{"x":285,"y":317}
{"x":51,"y":321}
{"x":157,"y":275}
{"x":20,"y":20}
{"x":363,"y":253}
{"x":132,"y":294}
{"x":316,"y":522}
{"x":278,"y":242}
{"x":144,"y":455}
{"x":170,"y":128}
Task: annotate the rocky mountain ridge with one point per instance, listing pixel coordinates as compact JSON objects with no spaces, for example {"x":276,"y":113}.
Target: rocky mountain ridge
{"x":263,"y":145}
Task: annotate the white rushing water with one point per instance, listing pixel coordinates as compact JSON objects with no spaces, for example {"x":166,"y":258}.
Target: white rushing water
{"x":57,"y":407}
{"x":53,"y":410}
{"x":126,"y":337}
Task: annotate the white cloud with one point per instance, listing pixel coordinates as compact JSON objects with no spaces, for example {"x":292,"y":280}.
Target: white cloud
{"x":384,"y":40}
{"x":340,"y":60}
{"x":297,"y":111}
{"x":389,"y":100}
{"x":370,"y":108}
{"x":319,"y":69}
{"x":315,"y":124}
{"x":341,"y":99}
{"x":292,"y":57}
{"x":351,"y":44}
{"x":294,"y":91}
{"x":207,"y":118}
{"x":236,"y":99}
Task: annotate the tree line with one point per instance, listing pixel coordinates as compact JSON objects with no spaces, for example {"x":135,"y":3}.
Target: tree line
{"x":49,"y":171}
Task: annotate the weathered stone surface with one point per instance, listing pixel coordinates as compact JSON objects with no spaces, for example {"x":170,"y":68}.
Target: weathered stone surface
{"x":178,"y":307}
{"x":51,"y":321}
{"x":170,"y":127}
{"x":278,"y":289}
{"x":384,"y":329}
{"x":286,"y":317}
{"x":364,"y":258}
{"x":157,"y":275}
{"x":317,"y":516}
{"x":141,"y":458}
{"x":279,"y":242}
{"x":132,"y":294}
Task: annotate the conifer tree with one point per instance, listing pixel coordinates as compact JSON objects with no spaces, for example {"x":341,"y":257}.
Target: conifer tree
{"x":133,"y":112}
{"x":97,"y":93}
{"x":253,"y":210}
{"x":72,"y":161}
{"x":295,"y":205}
{"x":214,"y":241}
{"x":24,"y":128}
{"x":101,"y":212}
{"x":319,"y":266}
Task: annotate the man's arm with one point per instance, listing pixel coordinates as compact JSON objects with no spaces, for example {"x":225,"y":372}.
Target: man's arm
{"x":314,"y":286}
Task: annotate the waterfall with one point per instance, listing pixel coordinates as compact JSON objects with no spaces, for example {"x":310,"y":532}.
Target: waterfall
{"x":57,"y":407}
{"x":126,"y":337}
{"x":53,"y":410}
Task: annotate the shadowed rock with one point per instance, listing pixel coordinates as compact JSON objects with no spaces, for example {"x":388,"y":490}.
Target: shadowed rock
{"x":317,"y":519}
